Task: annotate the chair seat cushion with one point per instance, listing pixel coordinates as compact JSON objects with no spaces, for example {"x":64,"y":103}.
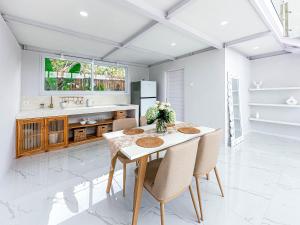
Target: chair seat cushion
{"x":151,"y":171}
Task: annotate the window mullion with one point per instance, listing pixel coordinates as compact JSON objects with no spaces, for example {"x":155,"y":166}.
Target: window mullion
{"x":92,"y":72}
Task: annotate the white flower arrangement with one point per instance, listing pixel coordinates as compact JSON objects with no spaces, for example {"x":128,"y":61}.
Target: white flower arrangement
{"x":161,"y":111}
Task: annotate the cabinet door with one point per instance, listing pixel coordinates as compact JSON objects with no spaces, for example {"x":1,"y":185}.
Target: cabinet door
{"x":30,"y":136}
{"x":56,"y":132}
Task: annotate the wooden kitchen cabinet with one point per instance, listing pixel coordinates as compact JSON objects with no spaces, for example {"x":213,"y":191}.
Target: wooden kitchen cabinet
{"x":30,"y":136}
{"x":56,"y":132}
{"x":41,"y":134}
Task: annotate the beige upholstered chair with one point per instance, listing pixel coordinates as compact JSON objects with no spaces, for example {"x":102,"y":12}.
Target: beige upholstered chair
{"x":143,"y":121}
{"x":167,"y":178}
{"x":122,"y":124}
{"x":207,"y":156}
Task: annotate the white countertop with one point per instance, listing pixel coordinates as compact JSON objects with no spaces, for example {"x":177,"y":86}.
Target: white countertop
{"x":72,"y":111}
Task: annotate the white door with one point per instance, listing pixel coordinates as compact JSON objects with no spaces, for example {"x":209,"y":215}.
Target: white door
{"x":175,"y":92}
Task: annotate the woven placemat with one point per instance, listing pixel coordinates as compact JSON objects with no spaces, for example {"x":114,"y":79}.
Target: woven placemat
{"x":188,"y":130}
{"x":133,"y":131}
{"x":149,"y":142}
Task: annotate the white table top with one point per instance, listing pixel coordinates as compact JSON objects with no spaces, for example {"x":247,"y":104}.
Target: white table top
{"x":134,"y":151}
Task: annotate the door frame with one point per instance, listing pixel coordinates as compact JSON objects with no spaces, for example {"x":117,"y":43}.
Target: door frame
{"x":166,"y":87}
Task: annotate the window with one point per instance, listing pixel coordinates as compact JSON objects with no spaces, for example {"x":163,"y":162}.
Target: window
{"x":109,"y":78}
{"x":69,"y":75}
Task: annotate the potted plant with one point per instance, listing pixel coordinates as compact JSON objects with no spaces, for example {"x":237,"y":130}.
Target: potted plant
{"x":162,"y":114}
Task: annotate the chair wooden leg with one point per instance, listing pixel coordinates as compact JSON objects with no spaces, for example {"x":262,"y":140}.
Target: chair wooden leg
{"x":207,"y":176}
{"x":111,"y":173}
{"x":219,"y":181}
{"x":199,"y":197}
{"x":124,"y":179}
{"x":162,"y":213}
{"x":157,"y":155}
{"x":194,"y":203}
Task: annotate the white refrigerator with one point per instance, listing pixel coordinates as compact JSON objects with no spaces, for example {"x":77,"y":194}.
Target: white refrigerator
{"x":143,"y":93}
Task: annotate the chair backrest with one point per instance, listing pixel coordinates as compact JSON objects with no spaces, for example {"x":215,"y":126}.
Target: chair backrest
{"x":175,"y":172}
{"x":143,"y":121}
{"x":208,"y":151}
{"x":122,"y":124}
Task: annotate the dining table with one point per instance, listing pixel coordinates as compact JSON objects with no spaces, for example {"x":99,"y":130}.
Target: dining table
{"x":119,"y":142}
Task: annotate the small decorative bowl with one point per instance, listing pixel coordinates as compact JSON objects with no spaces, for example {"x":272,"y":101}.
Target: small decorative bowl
{"x":91,"y":122}
{"x":82,"y":122}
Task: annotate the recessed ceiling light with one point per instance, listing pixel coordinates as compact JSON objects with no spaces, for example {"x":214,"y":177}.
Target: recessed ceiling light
{"x":255,"y":47}
{"x":173,"y":44}
{"x":84,"y":14}
{"x":224,"y":23}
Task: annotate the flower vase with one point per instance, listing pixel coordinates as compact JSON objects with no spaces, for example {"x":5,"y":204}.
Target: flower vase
{"x":161,"y":126}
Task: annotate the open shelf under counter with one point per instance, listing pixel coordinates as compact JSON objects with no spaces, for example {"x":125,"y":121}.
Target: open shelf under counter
{"x":273,"y":105}
{"x":275,"y":122}
{"x":99,"y":123}
{"x":89,"y":138}
{"x":275,"y":89}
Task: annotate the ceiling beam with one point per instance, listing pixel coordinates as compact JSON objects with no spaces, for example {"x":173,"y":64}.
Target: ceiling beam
{"x":185,"y":55}
{"x":143,"y":8}
{"x":117,"y":45}
{"x":270,"y":54}
{"x":247,"y":38}
{"x":145,"y":29}
{"x":265,"y":10}
{"x":79,"y":56}
{"x":131,"y":39}
{"x":179,"y":7}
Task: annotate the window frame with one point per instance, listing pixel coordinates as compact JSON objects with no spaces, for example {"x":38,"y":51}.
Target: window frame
{"x":75,"y":93}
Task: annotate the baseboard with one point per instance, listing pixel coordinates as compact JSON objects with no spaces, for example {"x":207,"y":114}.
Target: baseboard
{"x":276,"y":135}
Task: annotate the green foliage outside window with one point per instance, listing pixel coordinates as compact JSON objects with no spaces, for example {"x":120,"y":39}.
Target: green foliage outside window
{"x":68,"y":75}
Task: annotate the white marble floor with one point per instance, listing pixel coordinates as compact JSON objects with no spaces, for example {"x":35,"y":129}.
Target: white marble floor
{"x":261,"y":180}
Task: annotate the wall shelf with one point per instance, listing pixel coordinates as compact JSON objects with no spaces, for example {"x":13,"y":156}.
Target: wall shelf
{"x":275,"y":122}
{"x":275,"y":89}
{"x":274,"y":105}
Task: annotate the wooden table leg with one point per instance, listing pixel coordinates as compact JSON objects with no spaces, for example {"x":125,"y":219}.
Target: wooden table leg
{"x":139,"y":188}
{"x":111,"y":172}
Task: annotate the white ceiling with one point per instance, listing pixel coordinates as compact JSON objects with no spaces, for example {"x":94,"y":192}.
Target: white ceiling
{"x":207,"y":16}
{"x":258,"y":46}
{"x":116,"y":21}
{"x":164,"y":5}
{"x":106,"y":18}
{"x":161,"y":38}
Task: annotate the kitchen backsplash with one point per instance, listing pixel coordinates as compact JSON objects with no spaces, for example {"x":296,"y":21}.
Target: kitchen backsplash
{"x":33,"y":102}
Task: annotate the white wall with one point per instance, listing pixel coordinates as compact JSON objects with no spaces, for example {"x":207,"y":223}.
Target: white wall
{"x":10,"y":77}
{"x":31,"y":83}
{"x":204,"y":86}
{"x":239,"y":66}
{"x":278,"y":71}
